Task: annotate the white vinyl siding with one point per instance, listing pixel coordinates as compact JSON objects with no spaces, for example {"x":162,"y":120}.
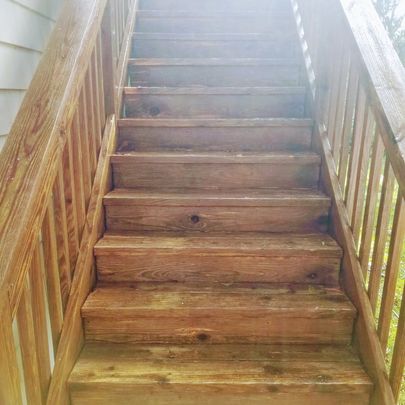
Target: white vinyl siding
{"x":25,"y":26}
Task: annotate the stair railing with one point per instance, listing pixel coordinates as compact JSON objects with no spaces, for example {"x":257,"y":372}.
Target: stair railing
{"x":54,"y":171}
{"x":357,"y":83}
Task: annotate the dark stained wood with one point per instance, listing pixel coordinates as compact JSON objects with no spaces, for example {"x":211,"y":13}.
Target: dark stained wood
{"x":215,"y":135}
{"x":211,"y":102}
{"x":181,"y":45}
{"x":230,"y":72}
{"x":215,"y":170}
{"x":210,"y":258}
{"x":196,"y":211}
{"x":168,"y":313}
{"x":211,"y":373}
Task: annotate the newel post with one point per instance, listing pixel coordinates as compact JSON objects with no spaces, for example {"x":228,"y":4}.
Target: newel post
{"x":109,"y":66}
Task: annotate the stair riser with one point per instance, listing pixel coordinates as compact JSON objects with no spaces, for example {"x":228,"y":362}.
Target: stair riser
{"x":240,"y":326}
{"x":214,"y":5}
{"x":214,"y":25}
{"x":224,"y":176}
{"x":265,"y":139}
{"x":214,"y":105}
{"x":305,"y":219}
{"x":210,"y":394}
{"x":186,"y":267}
{"x":176,"y":48}
{"x":232,"y":76}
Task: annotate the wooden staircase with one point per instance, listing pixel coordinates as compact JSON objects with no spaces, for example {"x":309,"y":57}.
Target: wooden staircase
{"x":217,"y":280}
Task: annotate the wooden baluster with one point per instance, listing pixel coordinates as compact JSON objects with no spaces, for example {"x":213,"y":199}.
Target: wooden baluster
{"x":340,"y":107}
{"x":359,"y":132}
{"x":100,"y":85}
{"x":76,"y":164}
{"x":69,"y":193}
{"x":381,"y":235}
{"x":347,"y":133}
{"x":52,"y":274}
{"x":391,"y":273}
{"x":398,"y":357}
{"x":10,"y":389}
{"x":62,"y":237}
{"x":96,"y":101}
{"x":39,"y":309}
{"x":356,"y":206}
{"x":376,"y":165}
{"x":28,"y":347}
{"x":91,"y":117}
{"x":83,"y":133}
{"x":108,"y":63}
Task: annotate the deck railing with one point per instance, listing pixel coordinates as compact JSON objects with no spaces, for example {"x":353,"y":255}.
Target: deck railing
{"x":357,"y":84}
{"x":53,"y":170}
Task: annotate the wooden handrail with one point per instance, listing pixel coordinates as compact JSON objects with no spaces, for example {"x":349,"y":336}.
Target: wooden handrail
{"x":386,"y":78}
{"x":357,"y":84}
{"x":55,"y":171}
{"x":33,"y":151}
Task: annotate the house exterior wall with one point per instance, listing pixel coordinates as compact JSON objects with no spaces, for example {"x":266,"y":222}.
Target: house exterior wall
{"x":25,"y":26}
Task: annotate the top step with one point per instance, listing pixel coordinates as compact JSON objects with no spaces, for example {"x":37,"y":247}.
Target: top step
{"x":215,"y":5}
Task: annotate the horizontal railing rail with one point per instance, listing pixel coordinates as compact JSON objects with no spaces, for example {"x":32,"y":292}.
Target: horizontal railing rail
{"x":50,"y":170}
{"x":357,"y":84}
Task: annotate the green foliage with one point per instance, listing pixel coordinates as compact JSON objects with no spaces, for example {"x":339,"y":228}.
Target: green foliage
{"x":393,"y":23}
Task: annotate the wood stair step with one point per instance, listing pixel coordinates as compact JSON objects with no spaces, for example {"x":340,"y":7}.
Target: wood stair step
{"x":214,"y":5}
{"x":200,"y":21}
{"x":213,"y":211}
{"x":215,"y":102}
{"x":162,"y":257}
{"x":217,"y":45}
{"x":112,"y":374}
{"x":245,"y":135}
{"x":230,"y":72}
{"x":226,"y":313}
{"x":215,"y":170}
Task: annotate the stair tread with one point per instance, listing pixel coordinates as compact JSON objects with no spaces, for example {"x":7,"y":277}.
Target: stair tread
{"x":265,"y":90}
{"x":325,"y":367}
{"x":205,"y":36}
{"x":200,"y":197}
{"x":158,"y":13}
{"x":216,"y":157}
{"x":222,"y":122}
{"x":164,"y":298}
{"x":258,"y":243}
{"x":213,"y":61}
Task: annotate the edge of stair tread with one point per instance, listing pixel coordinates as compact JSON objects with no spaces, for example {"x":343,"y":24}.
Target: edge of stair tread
{"x":212,"y":123}
{"x":220,"y":13}
{"x":206,"y":36}
{"x":125,"y":364}
{"x":213,"y":62}
{"x":256,"y":90}
{"x":202,"y":197}
{"x":263,"y":244}
{"x":110,"y":300}
{"x":216,"y":157}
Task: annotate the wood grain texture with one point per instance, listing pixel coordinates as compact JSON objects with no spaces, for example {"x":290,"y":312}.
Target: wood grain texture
{"x":32,"y":154}
{"x":181,"y":45}
{"x":365,"y":333}
{"x":197,"y":211}
{"x":167,"y":313}
{"x":214,"y":135}
{"x":200,"y":21}
{"x":215,"y":170}
{"x":230,"y":72}
{"x":213,"y":374}
{"x":387,"y":78}
{"x":254,"y":102}
{"x":71,"y":337}
{"x":282,"y":258}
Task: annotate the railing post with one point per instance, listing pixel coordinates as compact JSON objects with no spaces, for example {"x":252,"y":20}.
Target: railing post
{"x":109,"y":82}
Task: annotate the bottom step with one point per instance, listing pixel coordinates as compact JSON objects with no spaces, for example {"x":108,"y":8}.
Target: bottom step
{"x":114,"y":374}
